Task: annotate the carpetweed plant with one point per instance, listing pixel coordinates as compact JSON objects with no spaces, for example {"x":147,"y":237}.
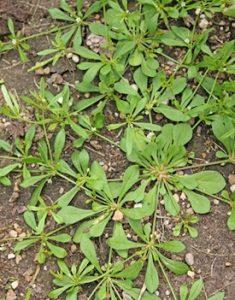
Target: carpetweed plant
{"x":143,"y":91}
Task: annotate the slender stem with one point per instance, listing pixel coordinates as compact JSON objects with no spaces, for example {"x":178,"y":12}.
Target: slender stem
{"x":107,"y":139}
{"x":10,"y":157}
{"x":167,"y":279}
{"x":214,"y":196}
{"x":47,"y":140}
{"x":203,"y":165}
{"x":155,"y":212}
{"x":95,"y":289}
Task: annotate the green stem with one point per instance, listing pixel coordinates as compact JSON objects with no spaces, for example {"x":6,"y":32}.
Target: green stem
{"x":155,"y":212}
{"x":167,"y":279}
{"x":202,"y":165}
{"x":107,"y":139}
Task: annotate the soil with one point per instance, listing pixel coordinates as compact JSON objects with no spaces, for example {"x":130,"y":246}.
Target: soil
{"x":213,"y":250}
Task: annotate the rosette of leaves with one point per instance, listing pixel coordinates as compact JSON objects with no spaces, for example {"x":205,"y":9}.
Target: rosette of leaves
{"x":85,"y":174}
{"x":185,"y":225}
{"x":107,"y":64}
{"x":131,"y":114}
{"x":46,"y":240}
{"x":157,"y":10}
{"x":184,"y":37}
{"x":134,"y":43}
{"x":162,"y":159}
{"x":75,"y":17}
{"x":221,"y":60}
{"x":58,"y":50}
{"x":71,"y":281}
{"x":109,"y":279}
{"x":110,"y":201}
{"x":17,"y":42}
{"x":149,"y":250}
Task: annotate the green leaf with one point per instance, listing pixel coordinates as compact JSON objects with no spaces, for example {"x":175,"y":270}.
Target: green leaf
{"x":86,"y":53}
{"x":172,"y":113}
{"x":59,"y":144}
{"x":171,"y":205}
{"x":62,"y":238}
{"x":5,"y":146}
{"x":231,"y":219}
{"x":123,"y":87}
{"x":32,"y":180}
{"x":119,"y":240}
{"x":88,"y":249}
{"x":210,"y":182}
{"x":30,"y":219}
{"x":183,"y":292}
{"x":8,"y":169}
{"x":151,"y":276}
{"x":71,"y":214}
{"x":58,"y":14}
{"x":196,"y":289}
{"x":176,"y":267}
{"x":199,"y":203}
{"x":130,"y":177}
{"x":172,"y":246}
{"x":24,"y":244}
{"x":56,"y":250}
{"x":65,"y":199}
{"x":131,"y":272}
{"x":217,"y":296}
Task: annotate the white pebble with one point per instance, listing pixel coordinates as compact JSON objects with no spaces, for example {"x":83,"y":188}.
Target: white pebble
{"x":75,"y":58}
{"x":11,"y":256}
{"x":15,"y":284}
{"x":232,"y":188}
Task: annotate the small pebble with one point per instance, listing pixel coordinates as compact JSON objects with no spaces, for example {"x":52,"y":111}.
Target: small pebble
{"x":73,"y":248}
{"x":232,"y":188}
{"x":189,"y":258}
{"x":11,"y":256}
{"x":75,"y":58}
{"x":176,"y":197}
{"x":13,"y":233}
{"x":183,"y":196}
{"x":216,"y":202}
{"x":228,"y":264}
{"x":15,"y":284}
{"x":191,"y":274}
{"x":11,"y":295}
{"x":167,"y":293}
{"x":203,"y":24}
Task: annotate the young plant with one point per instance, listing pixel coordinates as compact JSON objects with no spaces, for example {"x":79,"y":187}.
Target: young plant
{"x":161,"y":162}
{"x":149,"y":250}
{"x":184,"y":225}
{"x":16,"y":42}
{"x":230,"y":200}
{"x":46,"y":240}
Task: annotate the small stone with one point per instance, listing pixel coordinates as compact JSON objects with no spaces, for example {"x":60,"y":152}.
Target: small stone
{"x":75,"y":58}
{"x":57,"y":78}
{"x":105,"y":167}
{"x":232,"y":188}
{"x":10,"y":295}
{"x":15,"y":284}
{"x":87,"y":95}
{"x":216,"y":202}
{"x":167,"y":292}
{"x":162,"y":202}
{"x":11,"y":256}
{"x":118,"y":216}
{"x":176,"y":197}
{"x":13,"y":233}
{"x":18,"y":259}
{"x":231,"y":179}
{"x":189,"y":211}
{"x":47,"y":70}
{"x":191,"y":274}
{"x":166,"y":222}
{"x":189,"y":258}
{"x":73,"y":248}
{"x":61,"y":190}
{"x":197,"y":11}
{"x":203,"y":24}
{"x":183,"y":196}
{"x":69,"y":55}
{"x":228,"y":264}
{"x":157,"y":293}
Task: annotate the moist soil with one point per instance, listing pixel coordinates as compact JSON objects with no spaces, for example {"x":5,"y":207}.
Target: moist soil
{"x":213,"y":250}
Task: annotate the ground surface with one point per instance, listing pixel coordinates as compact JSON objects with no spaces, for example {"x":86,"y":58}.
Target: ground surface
{"x":213,"y":250}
